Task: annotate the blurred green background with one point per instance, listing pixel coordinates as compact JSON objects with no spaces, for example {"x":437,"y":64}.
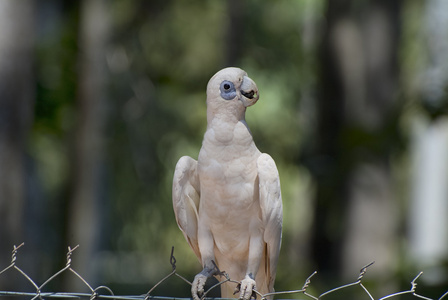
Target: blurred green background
{"x":99,"y":99}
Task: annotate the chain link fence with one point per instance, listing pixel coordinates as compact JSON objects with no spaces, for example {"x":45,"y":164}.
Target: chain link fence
{"x":104,"y":292}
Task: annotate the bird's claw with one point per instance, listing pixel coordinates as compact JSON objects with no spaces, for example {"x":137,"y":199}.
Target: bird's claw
{"x":246,"y":289}
{"x":197,"y":287}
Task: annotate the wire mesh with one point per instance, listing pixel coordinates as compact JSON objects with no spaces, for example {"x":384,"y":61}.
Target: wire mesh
{"x":104,"y":292}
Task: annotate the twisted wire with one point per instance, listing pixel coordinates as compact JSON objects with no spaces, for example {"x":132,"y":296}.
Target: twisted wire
{"x":95,"y":292}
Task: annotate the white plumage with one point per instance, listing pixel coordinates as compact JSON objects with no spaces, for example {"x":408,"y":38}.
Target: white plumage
{"x":228,"y":203}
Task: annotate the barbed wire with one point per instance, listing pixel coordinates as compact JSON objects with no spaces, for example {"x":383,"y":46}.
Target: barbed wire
{"x":109,"y":294}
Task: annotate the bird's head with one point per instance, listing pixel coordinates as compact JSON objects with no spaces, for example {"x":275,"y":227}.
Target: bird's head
{"x":231,"y":90}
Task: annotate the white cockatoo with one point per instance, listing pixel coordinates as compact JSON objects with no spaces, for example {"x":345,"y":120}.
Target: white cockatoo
{"x":228,"y":203}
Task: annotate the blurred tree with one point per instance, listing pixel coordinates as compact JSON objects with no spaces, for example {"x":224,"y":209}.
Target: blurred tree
{"x":428,"y":219}
{"x":355,"y":219}
{"x":86,"y":207}
{"x":16,"y":116}
{"x":235,"y":32}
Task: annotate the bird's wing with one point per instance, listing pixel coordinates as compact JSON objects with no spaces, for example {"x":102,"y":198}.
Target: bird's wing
{"x":272,"y":213}
{"x":186,"y":200}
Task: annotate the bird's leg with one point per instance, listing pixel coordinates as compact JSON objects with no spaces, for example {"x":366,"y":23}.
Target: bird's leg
{"x":206,"y":246}
{"x":248,"y":286}
{"x":197,"y":287}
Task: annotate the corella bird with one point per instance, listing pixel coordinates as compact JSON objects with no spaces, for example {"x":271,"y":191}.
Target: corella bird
{"x":228,"y":203}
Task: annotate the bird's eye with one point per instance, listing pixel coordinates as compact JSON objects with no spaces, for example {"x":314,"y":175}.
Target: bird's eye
{"x":228,"y":91}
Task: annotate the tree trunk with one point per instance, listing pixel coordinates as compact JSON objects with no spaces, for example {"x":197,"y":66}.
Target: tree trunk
{"x":16,"y":111}
{"x":355,"y":219}
{"x":234,"y":31}
{"x":85,"y":209}
{"x":428,"y":219}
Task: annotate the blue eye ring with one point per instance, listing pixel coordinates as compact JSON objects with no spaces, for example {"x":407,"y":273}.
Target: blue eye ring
{"x":228,"y":91}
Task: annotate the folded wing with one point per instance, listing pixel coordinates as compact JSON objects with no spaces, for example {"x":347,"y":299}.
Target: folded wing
{"x":272,"y":212}
{"x":186,"y":200}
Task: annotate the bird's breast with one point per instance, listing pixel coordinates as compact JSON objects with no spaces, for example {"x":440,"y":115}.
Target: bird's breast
{"x":227,"y":185}
{"x":227,"y":170}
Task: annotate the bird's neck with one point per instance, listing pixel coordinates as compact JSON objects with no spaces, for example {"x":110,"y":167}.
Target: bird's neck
{"x":225,"y":131}
{"x":231,"y":115}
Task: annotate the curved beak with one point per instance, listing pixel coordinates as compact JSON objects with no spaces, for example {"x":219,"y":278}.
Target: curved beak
{"x":249,"y":91}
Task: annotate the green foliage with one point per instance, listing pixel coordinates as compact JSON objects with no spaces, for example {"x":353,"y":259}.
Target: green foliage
{"x":160,"y":58}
